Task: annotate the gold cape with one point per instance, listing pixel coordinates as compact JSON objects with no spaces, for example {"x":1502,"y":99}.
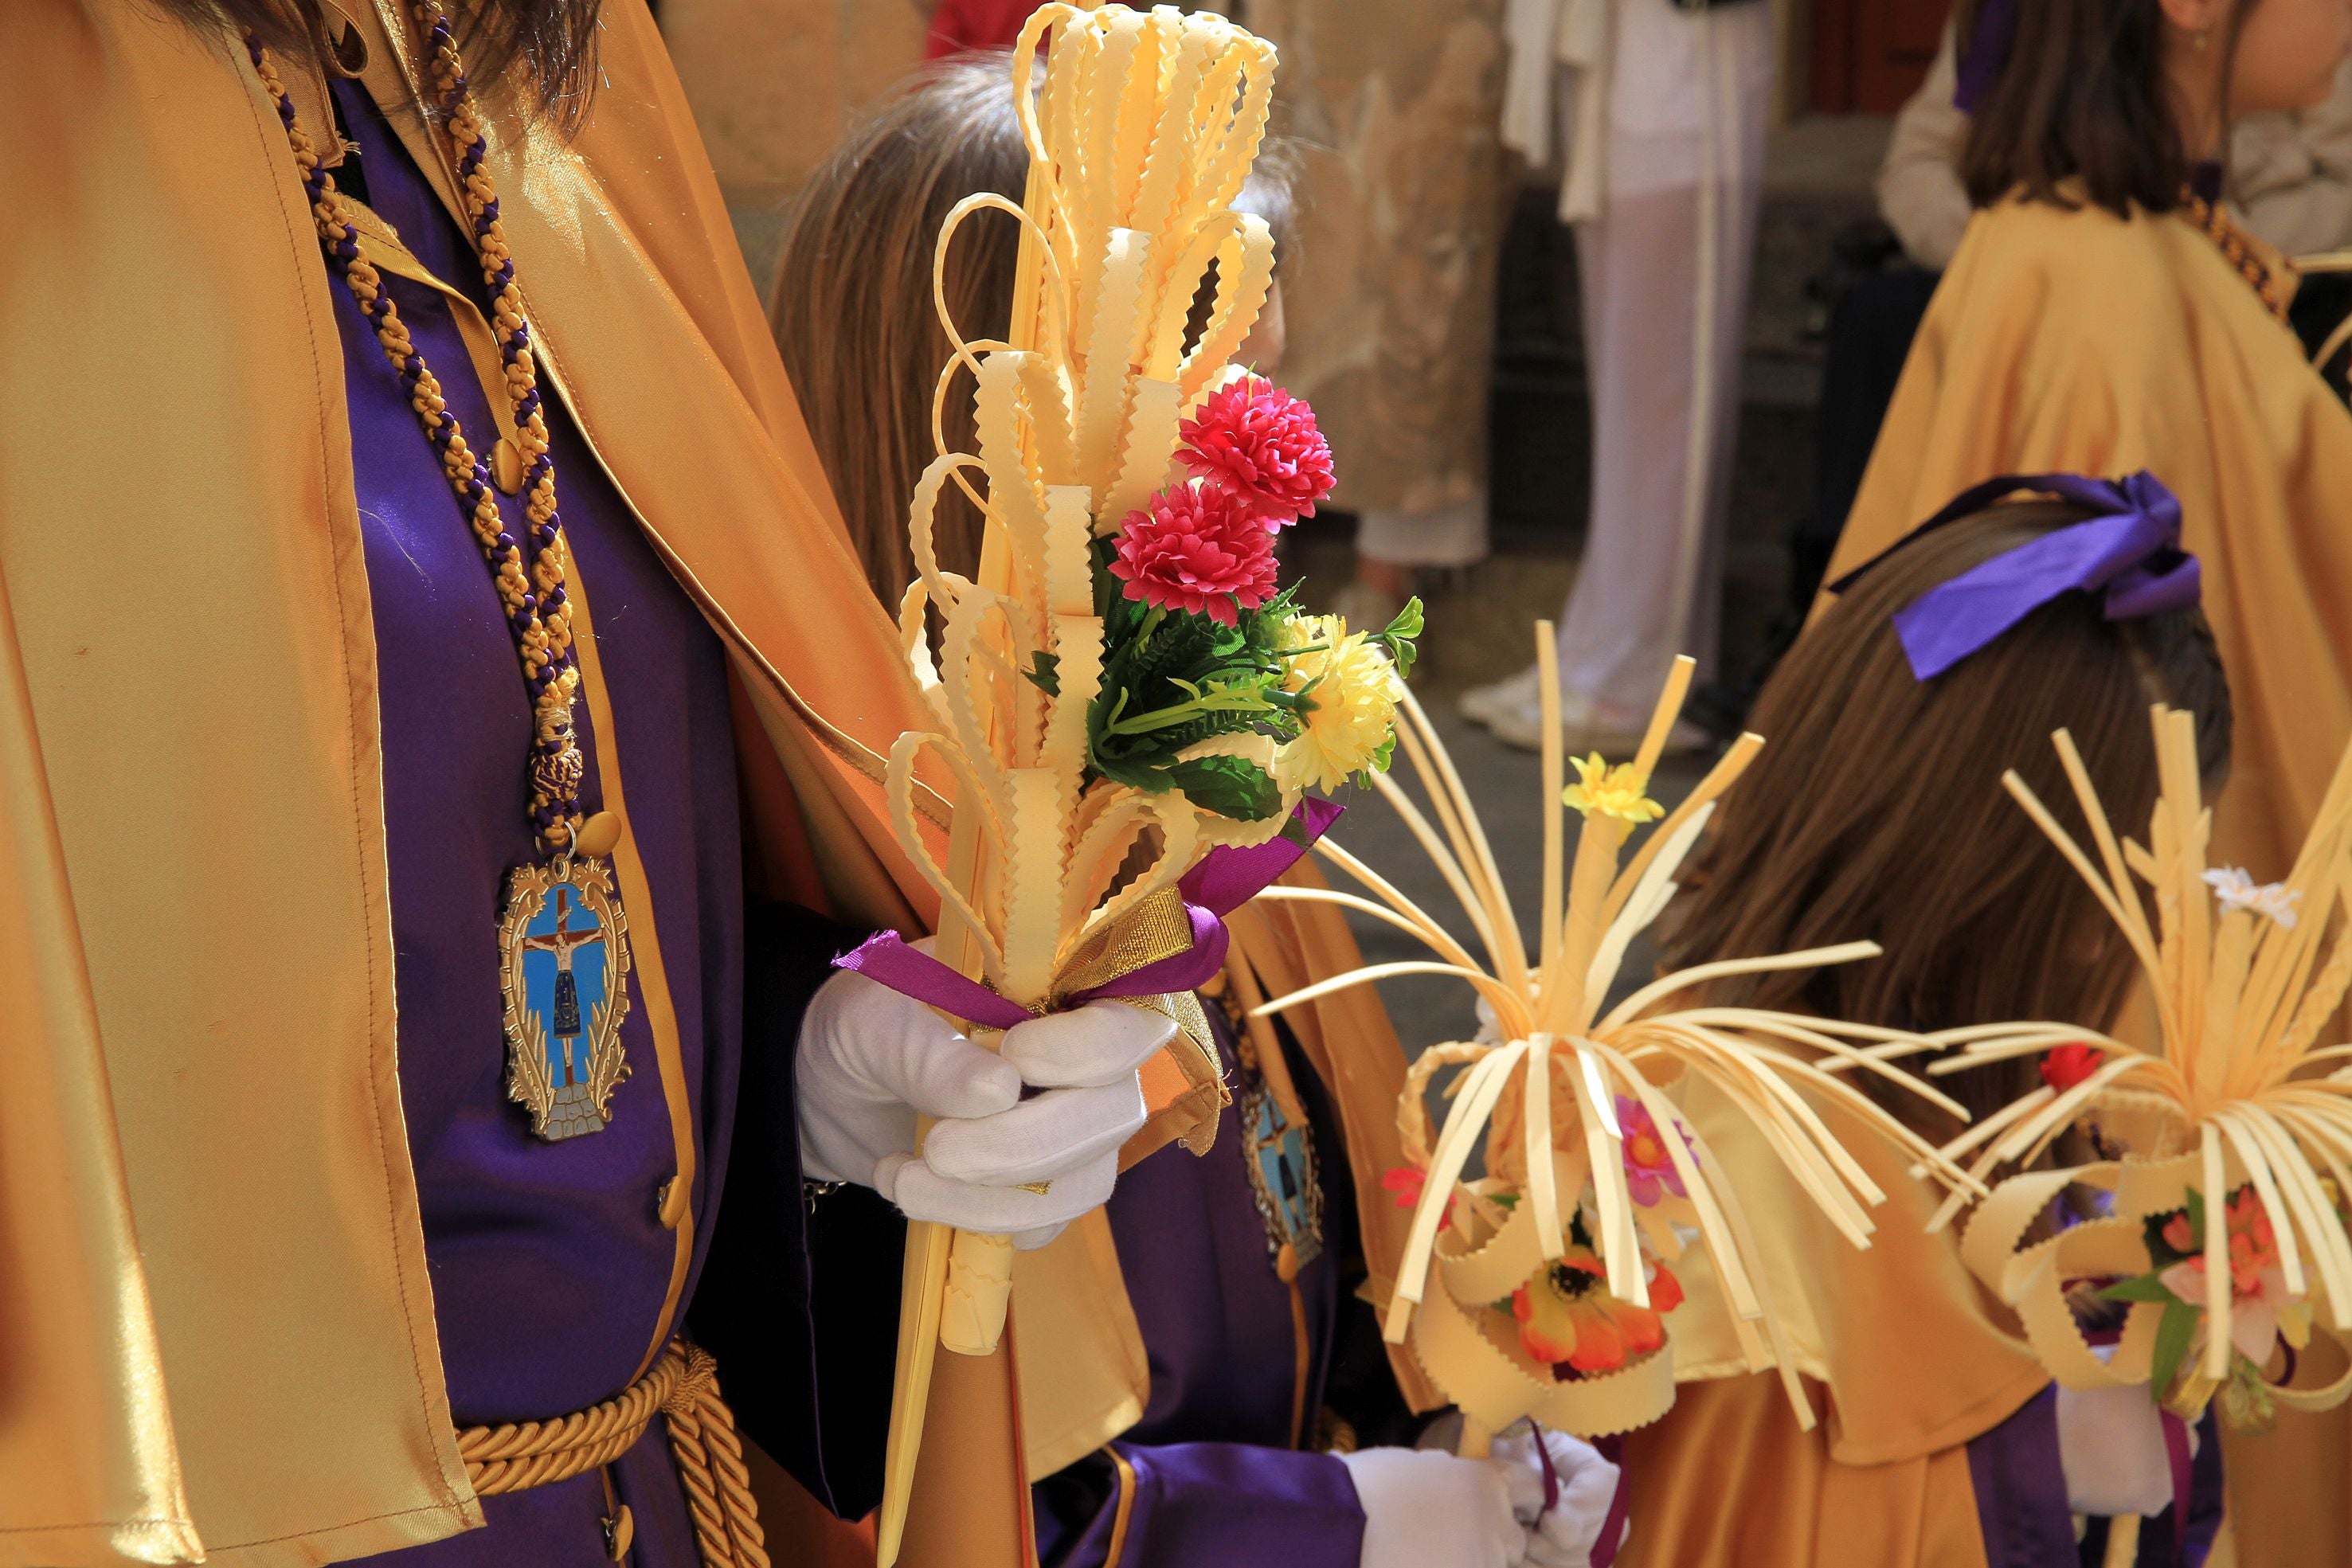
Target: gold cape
{"x":1905,"y":1357}
{"x":2078,"y":340}
{"x":216,"y":1334}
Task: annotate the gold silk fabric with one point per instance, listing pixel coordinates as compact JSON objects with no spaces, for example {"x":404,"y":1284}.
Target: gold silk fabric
{"x":217,"y":1332}
{"x":2078,"y":340}
{"x":1905,"y":1357}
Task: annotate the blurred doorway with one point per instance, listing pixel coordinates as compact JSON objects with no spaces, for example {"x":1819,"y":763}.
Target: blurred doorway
{"x":1871,"y":54}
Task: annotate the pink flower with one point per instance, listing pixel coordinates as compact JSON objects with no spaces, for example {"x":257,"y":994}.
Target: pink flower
{"x":1407,"y":1182}
{"x":1649,"y":1170}
{"x":2261,"y":1307}
{"x":1198,"y":548}
{"x":1262,"y":443}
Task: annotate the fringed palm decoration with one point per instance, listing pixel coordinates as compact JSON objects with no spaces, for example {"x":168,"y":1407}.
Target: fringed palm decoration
{"x":1551,"y":1269}
{"x":2225,"y":1232}
{"x":1119,"y":693}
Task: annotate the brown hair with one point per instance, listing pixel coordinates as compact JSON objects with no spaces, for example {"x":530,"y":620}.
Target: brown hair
{"x":553,"y":41}
{"x":851,"y":304}
{"x":2084,"y":96}
{"x":1875,"y":809}
{"x":852,"y":307}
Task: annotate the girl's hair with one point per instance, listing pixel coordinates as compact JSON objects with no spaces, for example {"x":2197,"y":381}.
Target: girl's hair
{"x":552,"y":41}
{"x":852,"y":304}
{"x":1875,"y":809}
{"x":2085,"y":96}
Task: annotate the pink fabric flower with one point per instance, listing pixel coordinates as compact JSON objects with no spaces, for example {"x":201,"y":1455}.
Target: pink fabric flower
{"x":1260,"y":442}
{"x":1197,"y":549}
{"x":1650,"y":1171}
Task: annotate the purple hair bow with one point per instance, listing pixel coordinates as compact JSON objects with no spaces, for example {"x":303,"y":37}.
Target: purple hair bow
{"x":1988,"y":53}
{"x":2129,"y":554}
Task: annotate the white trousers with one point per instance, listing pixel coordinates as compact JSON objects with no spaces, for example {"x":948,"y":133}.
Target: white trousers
{"x":1664,"y":271}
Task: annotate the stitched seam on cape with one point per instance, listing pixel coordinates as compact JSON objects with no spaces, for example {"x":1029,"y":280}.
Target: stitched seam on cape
{"x":99,"y":1524}
{"x":324,"y":1529}
{"x":359,"y":817}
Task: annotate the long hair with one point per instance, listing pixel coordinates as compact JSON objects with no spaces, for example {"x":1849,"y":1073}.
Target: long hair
{"x":2085,"y":97}
{"x":549,"y":46}
{"x":851,"y":305}
{"x":1875,"y":809}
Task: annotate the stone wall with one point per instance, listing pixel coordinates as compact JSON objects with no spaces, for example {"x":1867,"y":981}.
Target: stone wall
{"x":1404,"y":193}
{"x":775,"y":83}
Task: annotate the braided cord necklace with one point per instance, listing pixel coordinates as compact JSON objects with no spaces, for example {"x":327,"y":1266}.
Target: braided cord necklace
{"x":564,"y":1051}
{"x":2216,"y":224}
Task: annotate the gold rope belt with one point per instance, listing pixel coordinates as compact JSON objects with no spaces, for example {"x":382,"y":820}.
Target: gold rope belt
{"x":683,"y":1387}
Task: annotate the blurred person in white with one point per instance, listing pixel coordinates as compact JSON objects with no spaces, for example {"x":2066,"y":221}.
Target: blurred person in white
{"x":1660,"y":108}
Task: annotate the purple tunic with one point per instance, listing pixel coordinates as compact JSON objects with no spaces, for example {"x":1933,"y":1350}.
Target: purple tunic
{"x":2022,"y":1509}
{"x":549,"y":1262}
{"x":1215,"y":1478}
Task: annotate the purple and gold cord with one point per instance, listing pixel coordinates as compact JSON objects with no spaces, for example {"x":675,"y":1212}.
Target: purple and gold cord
{"x":533,"y":594}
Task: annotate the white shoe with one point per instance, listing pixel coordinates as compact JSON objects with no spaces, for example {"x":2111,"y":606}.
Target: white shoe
{"x":1482,"y":704}
{"x":1586,"y":726}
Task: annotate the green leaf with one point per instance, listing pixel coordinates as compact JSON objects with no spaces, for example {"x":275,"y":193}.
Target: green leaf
{"x":1044,"y":673}
{"x":2173,"y":1334}
{"x":2143,"y":1288}
{"x":1231,"y":787}
{"x":1399,"y":637}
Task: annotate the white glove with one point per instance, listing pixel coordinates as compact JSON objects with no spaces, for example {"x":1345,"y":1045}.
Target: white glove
{"x":1563,"y":1535}
{"x":2111,"y":1446}
{"x":871,"y":1060}
{"x":1425,"y":1508}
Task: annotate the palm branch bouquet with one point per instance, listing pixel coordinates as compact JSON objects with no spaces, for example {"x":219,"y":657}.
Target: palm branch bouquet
{"x":1122,"y":694}
{"x":1536,"y":1290}
{"x":2223,"y":1233}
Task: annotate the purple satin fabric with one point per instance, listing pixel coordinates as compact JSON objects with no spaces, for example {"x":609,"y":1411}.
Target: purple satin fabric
{"x":1217,"y":1482}
{"x":1225,"y":879}
{"x":2129,"y":553}
{"x":548,"y":1262}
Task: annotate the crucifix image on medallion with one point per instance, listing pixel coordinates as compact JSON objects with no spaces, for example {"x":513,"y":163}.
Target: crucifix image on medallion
{"x":565,"y":1029}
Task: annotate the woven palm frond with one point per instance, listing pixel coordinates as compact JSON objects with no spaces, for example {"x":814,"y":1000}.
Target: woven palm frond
{"x":2229,"y":1208}
{"x":1592,"y":1175}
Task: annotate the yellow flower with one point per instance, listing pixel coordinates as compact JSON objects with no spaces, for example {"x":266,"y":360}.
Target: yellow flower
{"x":1351,"y":709}
{"x":1612,"y":792}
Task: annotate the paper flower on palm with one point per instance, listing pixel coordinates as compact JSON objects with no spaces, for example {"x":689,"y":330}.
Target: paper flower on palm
{"x":1538,"y":1288}
{"x":2220,"y":1114}
{"x":1258,"y":442}
{"x":1197,"y":548}
{"x":1347,"y":688}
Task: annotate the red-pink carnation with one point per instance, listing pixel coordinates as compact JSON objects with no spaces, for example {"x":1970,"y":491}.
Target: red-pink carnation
{"x":1262,"y":443}
{"x":1197,"y":549}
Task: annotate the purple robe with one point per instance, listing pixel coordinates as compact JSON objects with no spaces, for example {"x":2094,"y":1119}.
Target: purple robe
{"x":549,"y":1265}
{"x":1215,"y":1478}
{"x":2023,"y":1510}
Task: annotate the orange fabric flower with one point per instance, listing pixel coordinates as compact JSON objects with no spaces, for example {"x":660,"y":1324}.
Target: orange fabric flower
{"x":1567,"y":1316}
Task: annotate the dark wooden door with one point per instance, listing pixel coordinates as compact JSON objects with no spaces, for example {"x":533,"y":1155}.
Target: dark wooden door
{"x":1871,"y":54}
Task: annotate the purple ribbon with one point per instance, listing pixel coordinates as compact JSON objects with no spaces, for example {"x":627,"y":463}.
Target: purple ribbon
{"x":1226,"y":878}
{"x":2129,"y":554}
{"x":1987,"y":52}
